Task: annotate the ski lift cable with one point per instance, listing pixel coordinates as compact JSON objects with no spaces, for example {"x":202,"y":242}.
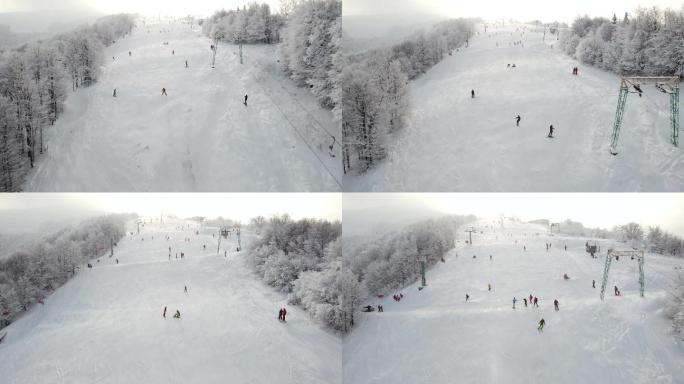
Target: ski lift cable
{"x":308,"y":113}
{"x":298,"y":133}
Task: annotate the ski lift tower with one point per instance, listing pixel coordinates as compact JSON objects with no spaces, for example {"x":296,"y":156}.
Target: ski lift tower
{"x":554,"y":226}
{"x":668,"y":85}
{"x":423,"y":267}
{"x":638,"y":254}
{"x":470,"y":231}
{"x":238,"y":38}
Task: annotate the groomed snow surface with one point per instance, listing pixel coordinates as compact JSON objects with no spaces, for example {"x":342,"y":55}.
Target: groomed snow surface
{"x":455,"y":143}
{"x":106,"y":325}
{"x":198,"y":138}
{"x":434,"y":336}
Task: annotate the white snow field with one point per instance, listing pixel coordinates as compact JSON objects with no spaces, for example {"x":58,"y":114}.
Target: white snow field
{"x":455,"y":143}
{"x":434,"y":336}
{"x":198,"y":138}
{"x":106,"y":325}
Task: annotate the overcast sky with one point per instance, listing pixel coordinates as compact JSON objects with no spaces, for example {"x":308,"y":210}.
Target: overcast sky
{"x":522,"y":10}
{"x":25,"y":212}
{"x":145,"y":7}
{"x":594,"y":210}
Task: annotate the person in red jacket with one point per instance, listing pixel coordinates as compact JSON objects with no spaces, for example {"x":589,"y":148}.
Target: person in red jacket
{"x":284,"y":313}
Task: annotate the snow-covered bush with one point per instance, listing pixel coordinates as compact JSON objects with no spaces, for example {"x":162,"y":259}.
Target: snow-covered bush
{"x":29,"y":275}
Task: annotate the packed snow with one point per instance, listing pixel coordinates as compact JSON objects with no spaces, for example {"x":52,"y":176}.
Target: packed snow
{"x":453,"y":142}
{"x":435,"y":336}
{"x":106,"y":324}
{"x":201,"y":137}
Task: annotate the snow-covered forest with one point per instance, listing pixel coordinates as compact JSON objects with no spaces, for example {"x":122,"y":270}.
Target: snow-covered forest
{"x":252,"y":24}
{"x":649,"y":42}
{"x":34,"y":80}
{"x":374,"y":93}
{"x":302,"y":258}
{"x":29,"y":275}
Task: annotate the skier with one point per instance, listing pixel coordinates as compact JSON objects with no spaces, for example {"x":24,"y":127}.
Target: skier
{"x":472,"y":93}
{"x":114,"y":92}
{"x":467,"y":297}
{"x":517,"y":121}
{"x":177,"y":315}
{"x":117,"y":261}
{"x":514,"y":300}
{"x":284,"y":313}
{"x":550,"y":131}
{"x":530,"y":298}
{"x":489,"y":287}
{"x":164,"y":314}
{"x":593,"y":283}
{"x":525,"y":301}
{"x":280,"y":314}
{"x":204,"y":246}
{"x":380,"y":308}
{"x":164,"y":92}
{"x":490,"y":257}
{"x":536,"y":304}
{"x":186,"y":63}
{"x":540,"y":328}
{"x":186,"y":289}
{"x":173,"y":52}
{"x":555,"y":304}
{"x":245,"y":102}
{"x":617,"y":291}
{"x":129,"y":53}
{"x":524,"y":248}
{"x":566,"y":247}
{"x":225,"y":253}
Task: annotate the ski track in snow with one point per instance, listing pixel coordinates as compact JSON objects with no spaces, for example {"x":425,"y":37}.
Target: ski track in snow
{"x":455,"y":143}
{"x":105,"y":325}
{"x":198,"y":138}
{"x":434,"y":336}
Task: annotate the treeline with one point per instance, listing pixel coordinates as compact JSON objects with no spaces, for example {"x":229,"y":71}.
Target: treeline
{"x":374,"y":86}
{"x":252,"y":24}
{"x":34,"y":79}
{"x":296,"y":257}
{"x":310,"y":52}
{"x":29,"y":275}
{"x":651,"y":43}
{"x":653,"y":239}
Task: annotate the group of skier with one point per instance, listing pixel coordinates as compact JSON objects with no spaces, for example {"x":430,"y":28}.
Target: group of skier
{"x":281,"y":314}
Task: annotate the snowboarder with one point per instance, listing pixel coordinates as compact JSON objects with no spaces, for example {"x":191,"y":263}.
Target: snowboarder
{"x":114,"y":92}
{"x":517,"y":121}
{"x":472,"y":93}
{"x":514,"y":300}
{"x":245,"y":102}
{"x":186,"y":289}
{"x":164,"y":314}
{"x":164,"y":92}
{"x":540,"y":328}
{"x":550,"y":131}
{"x":467,"y":297}
{"x":555,"y":304}
{"x":177,"y":315}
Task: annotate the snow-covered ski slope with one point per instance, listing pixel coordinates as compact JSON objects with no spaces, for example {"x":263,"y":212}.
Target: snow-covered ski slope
{"x":455,"y":143}
{"x":434,"y":336}
{"x":106,"y":325}
{"x":198,"y":138}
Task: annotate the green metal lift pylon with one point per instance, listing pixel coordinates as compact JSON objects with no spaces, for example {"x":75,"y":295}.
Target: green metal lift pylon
{"x":606,"y":268}
{"x":669,"y":85}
